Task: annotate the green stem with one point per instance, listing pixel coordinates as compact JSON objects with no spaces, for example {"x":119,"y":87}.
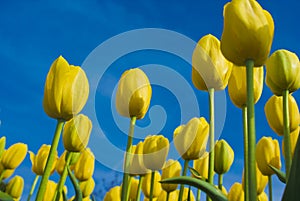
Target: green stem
{"x":128,"y":188}
{"x":246,"y":172}
{"x":251,"y":131}
{"x":286,"y":132}
{"x":220,"y":182}
{"x":50,"y":160}
{"x":198,"y":194}
{"x":270,"y":188}
{"x":127,"y":159}
{"x":152,"y":185}
{"x":138,"y":194}
{"x":78,"y":193}
{"x":184,"y":171}
{"x":33,"y":187}
{"x":2,"y":174}
{"x":168,"y":196}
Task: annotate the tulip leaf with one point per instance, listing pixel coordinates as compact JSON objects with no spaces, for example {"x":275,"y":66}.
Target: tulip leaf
{"x":196,"y":174}
{"x":279,"y":173}
{"x":5,"y":197}
{"x":214,"y":193}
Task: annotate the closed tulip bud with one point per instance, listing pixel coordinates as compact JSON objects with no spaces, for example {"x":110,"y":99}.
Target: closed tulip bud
{"x":76,"y":133}
{"x":171,"y":169}
{"x":2,"y":145}
{"x":133,"y":188}
{"x":224,"y":157}
{"x":84,"y":168}
{"x":247,"y":33}
{"x":137,"y":166}
{"x":172,"y":196}
{"x":261,"y":181}
{"x":66,"y":90}
{"x":60,"y":164}
{"x":274,"y":113}
{"x":114,"y":194}
{"x":283,"y":72}
{"x":133,"y":94}
{"x":15,"y":187}
{"x":146,"y":184}
{"x":236,"y":192}
{"x":237,"y":86}
{"x":201,"y":165}
{"x":87,"y":187}
{"x":50,"y":190}
{"x":8,"y":173}
{"x":267,"y":153}
{"x":210,"y":68}
{"x":293,"y":140}
{"x":39,"y":160}
{"x":14,"y":156}
{"x":156,"y":149}
{"x":190,"y":140}
{"x":262,"y":197}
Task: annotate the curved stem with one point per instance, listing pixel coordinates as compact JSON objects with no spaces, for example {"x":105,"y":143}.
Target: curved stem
{"x":286,"y":132}
{"x":198,"y":194}
{"x":246,"y":172}
{"x":33,"y":187}
{"x":152,"y":185}
{"x":184,"y":171}
{"x":50,"y":160}
{"x":127,"y":159}
{"x":138,"y":194}
{"x":220,"y":182}
{"x":168,"y":196}
{"x":270,"y":188}
{"x":251,"y":130}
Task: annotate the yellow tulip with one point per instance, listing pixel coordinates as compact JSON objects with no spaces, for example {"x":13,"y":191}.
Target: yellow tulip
{"x":60,"y":164}
{"x":137,"y":166}
{"x":224,"y":157}
{"x":66,"y":90}
{"x":283,"y":72}
{"x":171,"y":169}
{"x":237,"y":86}
{"x":133,"y":94}
{"x":114,"y":194}
{"x":39,"y":160}
{"x":201,"y":165}
{"x":146,"y":184}
{"x":247,"y":33}
{"x":173,"y":196}
{"x":293,"y":139}
{"x":50,"y":190}
{"x":14,"y":156}
{"x":210,"y":68}
{"x":267,"y":153}
{"x":153,"y":199}
{"x":274,"y":113}
{"x":186,"y":193}
{"x":190,"y":140}
{"x":2,"y":145}
{"x":84,"y":168}
{"x":236,"y":192}
{"x":133,"y":188}
{"x":155,"y":151}
{"x":87,"y":187}
{"x":8,"y":173}
{"x":15,"y":187}
{"x":262,"y":197}
{"x":76,"y":133}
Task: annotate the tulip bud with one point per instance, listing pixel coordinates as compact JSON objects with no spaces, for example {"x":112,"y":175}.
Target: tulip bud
{"x":247,"y":33}
{"x":283,"y":72}
{"x":237,"y":86}
{"x":210,"y":68}
{"x":14,"y":156}
{"x":171,"y":169}
{"x":15,"y":187}
{"x":274,"y":113}
{"x":7,"y":172}
{"x":262,"y":197}
{"x":50,"y":191}
{"x":133,"y":188}
{"x":190,"y":140}
{"x":84,"y":168}
{"x":172,"y":196}
{"x":2,"y":145}
{"x":76,"y":133}
{"x":186,"y":194}
{"x":137,"y":166}
{"x":114,"y":194}
{"x":224,"y":157}
{"x":146,"y":184}
{"x":156,"y":149}
{"x":60,"y":164}
{"x":201,"y":165}
{"x":66,"y":90}
{"x":293,"y":140}
{"x":236,"y":193}
{"x":87,"y":187}
{"x":267,"y":153}
{"x":133,"y":94}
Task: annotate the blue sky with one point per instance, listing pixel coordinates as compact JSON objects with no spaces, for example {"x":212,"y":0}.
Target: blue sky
{"x":34,"y":33}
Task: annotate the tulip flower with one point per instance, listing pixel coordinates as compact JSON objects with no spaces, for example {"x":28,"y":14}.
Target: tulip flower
{"x":133,"y":188}
{"x":39,"y":160}
{"x":236,"y":193}
{"x":210,"y":68}
{"x":66,"y":90}
{"x":15,"y":187}
{"x":14,"y":156}
{"x":87,"y":187}
{"x":274,"y":114}
{"x":267,"y":153}
{"x":224,"y":157}
{"x":247,"y":33}
{"x":262,"y":197}
{"x":186,"y":192}
{"x":201,"y":165}
{"x":172,"y":196}
{"x":155,"y":150}
{"x":2,"y":145}
{"x":171,"y":169}
{"x":7,"y":172}
{"x":84,"y":168}
{"x":283,"y":72}
{"x":114,"y":194}
{"x":293,"y":140}
{"x":237,"y":86}
{"x":133,"y":94}
{"x":147,"y":184}
{"x":137,"y":166}
{"x":76,"y":133}
{"x":261,"y":179}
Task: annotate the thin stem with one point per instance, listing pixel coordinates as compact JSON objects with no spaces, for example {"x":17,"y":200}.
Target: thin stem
{"x":251,"y":130}
{"x":50,"y":160}
{"x":152,"y":185}
{"x":286,"y":132}
{"x":198,"y":194}
{"x":270,"y":188}
{"x":168,"y":196}
{"x":220,"y":182}
{"x":246,"y":173}
{"x":184,"y":171}
{"x":128,"y":188}
{"x":127,"y":160}
{"x":138,"y":194}
{"x":33,"y":187}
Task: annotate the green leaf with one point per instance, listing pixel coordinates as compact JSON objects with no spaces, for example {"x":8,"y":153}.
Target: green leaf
{"x":279,"y":173}
{"x":196,"y":174}
{"x":5,"y":197}
{"x":208,"y":188}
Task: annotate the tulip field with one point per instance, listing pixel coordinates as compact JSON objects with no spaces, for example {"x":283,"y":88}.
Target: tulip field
{"x":240,"y":63}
